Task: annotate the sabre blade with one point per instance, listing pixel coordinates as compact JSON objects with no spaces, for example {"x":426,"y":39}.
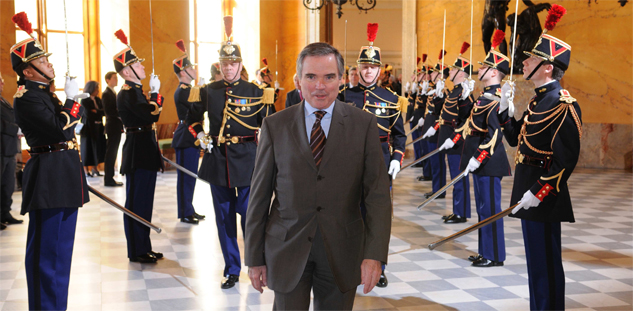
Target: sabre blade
{"x":414,"y":141}
{"x":151,"y":28}
{"x":514,"y":38}
{"x":184,"y":170}
{"x":124,"y":210}
{"x":426,"y":156}
{"x":442,"y":190}
{"x":474,"y":227}
{"x":66,"y":31}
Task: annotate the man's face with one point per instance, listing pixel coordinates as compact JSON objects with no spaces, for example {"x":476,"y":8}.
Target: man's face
{"x":483,"y":69}
{"x":434,"y":76}
{"x":319,"y":80}
{"x":139,"y":69}
{"x":267,"y":78}
{"x":353,"y":77}
{"x":231,"y":70}
{"x":528,"y":66}
{"x":45,"y":67}
{"x":113,"y":81}
{"x":369,"y":72}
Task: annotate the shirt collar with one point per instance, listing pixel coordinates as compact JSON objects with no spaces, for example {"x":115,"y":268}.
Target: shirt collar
{"x":310,"y":110}
{"x":362,"y":87}
{"x":226,"y":83}
{"x":135,"y":85}
{"x":547,"y":87}
{"x":111,"y":89}
{"x":492,"y":88}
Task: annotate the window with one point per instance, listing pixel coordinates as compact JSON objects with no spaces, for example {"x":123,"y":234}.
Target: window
{"x":52,"y":34}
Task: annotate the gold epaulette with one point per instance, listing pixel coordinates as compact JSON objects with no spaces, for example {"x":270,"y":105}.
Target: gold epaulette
{"x":343,"y":89}
{"x":269,"y":96}
{"x":566,"y":97}
{"x":498,"y":92}
{"x":261,"y":86}
{"x":125,"y":87}
{"x":21,"y":90}
{"x":194,"y":94}
{"x":403,"y":103}
{"x":184,"y":86}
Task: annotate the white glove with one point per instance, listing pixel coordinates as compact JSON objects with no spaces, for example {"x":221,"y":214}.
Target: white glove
{"x":202,"y":82}
{"x":448,"y":144}
{"x":203,"y":142}
{"x":78,"y":128}
{"x":72,"y":90}
{"x":394,"y":168}
{"x":406,"y":87}
{"x":507,"y":96}
{"x":473,"y":164}
{"x":277,"y":85}
{"x":491,"y":96}
{"x":425,"y":86}
{"x":414,"y":87}
{"x":411,"y":120}
{"x":528,"y":200}
{"x":466,"y":90}
{"x":430,"y":132}
{"x":420,"y":123}
{"x":431,"y":92}
{"x":154,"y":83}
{"x":439,"y":89}
{"x":471,"y":84}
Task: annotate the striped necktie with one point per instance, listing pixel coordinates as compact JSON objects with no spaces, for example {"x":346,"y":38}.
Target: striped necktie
{"x":317,"y":138}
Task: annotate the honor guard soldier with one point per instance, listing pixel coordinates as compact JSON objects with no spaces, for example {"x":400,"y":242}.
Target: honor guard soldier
{"x":485,"y":156}
{"x":141,"y":156}
{"x":434,"y":104}
{"x":388,"y":107}
{"x":264,"y":78}
{"x":418,"y":118}
{"x":187,"y":152}
{"x":236,"y":109}
{"x":548,"y":139}
{"x":411,"y":93}
{"x":455,"y":112}
{"x":10,"y":143}
{"x":54,"y":185}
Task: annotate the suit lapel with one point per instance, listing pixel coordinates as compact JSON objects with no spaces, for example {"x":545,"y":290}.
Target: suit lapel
{"x":335,"y":135}
{"x":298,"y":130}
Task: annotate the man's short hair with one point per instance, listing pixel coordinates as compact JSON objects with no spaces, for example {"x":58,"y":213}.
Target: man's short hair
{"x":353,"y":68}
{"x":557,"y":73}
{"x":501,"y":75}
{"x":109,"y":75}
{"x":320,"y":49}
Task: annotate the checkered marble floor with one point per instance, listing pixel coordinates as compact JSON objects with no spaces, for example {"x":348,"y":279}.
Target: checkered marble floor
{"x":597,"y":253}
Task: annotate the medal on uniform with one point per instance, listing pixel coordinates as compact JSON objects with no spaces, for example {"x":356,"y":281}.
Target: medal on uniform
{"x":378,"y":111}
{"x":243,"y":108}
{"x":248,"y":108}
{"x":237,"y":110}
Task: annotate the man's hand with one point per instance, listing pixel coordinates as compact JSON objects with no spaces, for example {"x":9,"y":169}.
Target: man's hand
{"x":258,"y":277}
{"x":430,"y":132}
{"x":507,"y":98}
{"x":406,"y":87}
{"x":425,"y":86}
{"x":206,"y":143}
{"x":420,"y":123}
{"x":369,"y":274}
{"x":394,"y":168}
{"x":439,"y":88}
{"x":473,"y":165}
{"x":528,"y":200}
{"x":466,"y":89}
{"x":154,"y":83}
{"x":448,"y":144}
{"x":202,"y":82}
{"x":72,"y":90}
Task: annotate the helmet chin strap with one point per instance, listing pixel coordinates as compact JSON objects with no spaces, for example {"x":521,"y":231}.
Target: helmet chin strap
{"x":134,"y":71}
{"x":455,"y":76}
{"x":485,"y":72}
{"x":188,"y":74}
{"x":535,"y":69}
{"x":369,"y":83}
{"x":40,"y":72}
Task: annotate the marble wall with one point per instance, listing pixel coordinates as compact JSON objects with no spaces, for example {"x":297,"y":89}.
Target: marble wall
{"x":600,"y":76}
{"x":7,"y":40}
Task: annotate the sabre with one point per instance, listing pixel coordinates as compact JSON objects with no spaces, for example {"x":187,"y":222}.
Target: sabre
{"x":151,"y":28}
{"x":412,"y":130}
{"x":184,"y":170}
{"x":426,"y":156}
{"x":276,"y":63}
{"x":443,"y":189}
{"x":124,"y":210}
{"x":471,"y":35}
{"x":443,"y":41}
{"x":514,"y":37}
{"x":67,"y":55}
{"x":474,"y":227}
{"x":415,"y":141}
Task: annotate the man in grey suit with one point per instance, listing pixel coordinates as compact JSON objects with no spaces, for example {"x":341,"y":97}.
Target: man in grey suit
{"x":318,"y":158}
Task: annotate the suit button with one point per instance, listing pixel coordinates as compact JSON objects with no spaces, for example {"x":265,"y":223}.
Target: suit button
{"x":228,"y":126}
{"x":309,"y":239}
{"x":319,"y":177}
{"x":319,"y":209}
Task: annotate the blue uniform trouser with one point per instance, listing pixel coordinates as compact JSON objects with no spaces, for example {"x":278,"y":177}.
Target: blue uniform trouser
{"x":492,"y":244}
{"x":227,"y":203}
{"x":546,"y":277}
{"x":140,"y":200}
{"x":49,"y":252}
{"x":461,"y":190}
{"x":187,"y":158}
{"x":426,"y":164}
{"x":417,"y":147}
{"x":438,"y":168}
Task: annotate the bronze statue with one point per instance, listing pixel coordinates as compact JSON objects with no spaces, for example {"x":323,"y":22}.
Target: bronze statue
{"x":528,"y":31}
{"x":494,"y":18}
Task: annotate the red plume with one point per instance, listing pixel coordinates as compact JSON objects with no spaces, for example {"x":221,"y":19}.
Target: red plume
{"x":181,"y":45}
{"x":465,"y":47}
{"x":442,"y":53}
{"x":228,"y":26}
{"x":372,"y":30}
{"x":121,"y":35}
{"x":265,"y":61}
{"x":497,"y":38}
{"x":22,"y":21}
{"x":553,"y":16}
{"x":419,"y":59}
{"x":424,"y":56}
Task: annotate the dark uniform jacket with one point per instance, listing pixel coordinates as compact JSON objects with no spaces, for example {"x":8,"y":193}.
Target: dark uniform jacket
{"x":388,"y":109}
{"x":184,"y":136}
{"x":51,"y":179}
{"x":113,"y":121}
{"x":140,"y":149}
{"x":455,"y":112}
{"x":432,"y":112}
{"x":548,"y":137}
{"x":236,"y":111}
{"x":484,"y":137}
{"x":92,"y":118}
{"x":9,"y":139}
{"x":293,"y":97}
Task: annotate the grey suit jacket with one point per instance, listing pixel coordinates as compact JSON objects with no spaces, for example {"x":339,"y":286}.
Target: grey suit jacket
{"x":279,"y":235}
